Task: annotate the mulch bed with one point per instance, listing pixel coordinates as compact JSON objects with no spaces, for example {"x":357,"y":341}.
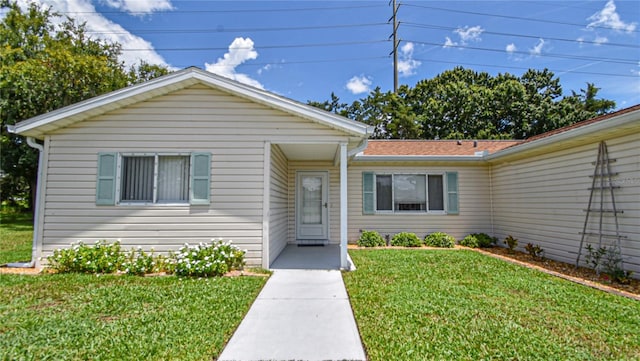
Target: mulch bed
{"x":581,"y":275}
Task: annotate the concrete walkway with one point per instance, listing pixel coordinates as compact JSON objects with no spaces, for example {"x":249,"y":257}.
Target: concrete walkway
{"x":299,"y":315}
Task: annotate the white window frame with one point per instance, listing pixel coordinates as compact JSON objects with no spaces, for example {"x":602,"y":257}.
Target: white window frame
{"x":155,"y":179}
{"x":393,"y":211}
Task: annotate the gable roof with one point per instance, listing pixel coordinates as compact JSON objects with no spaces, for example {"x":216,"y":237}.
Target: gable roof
{"x":40,"y":125}
{"x":435,"y":147}
{"x":624,"y":121}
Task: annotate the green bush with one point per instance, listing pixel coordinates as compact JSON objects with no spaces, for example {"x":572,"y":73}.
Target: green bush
{"x":534,"y":251}
{"x":406,"y":239}
{"x":440,"y":239}
{"x":470,"y":241}
{"x":208,"y":260}
{"x":139,"y":263}
{"x":81,"y":258}
{"x":485,"y":240}
{"x":371,"y":239}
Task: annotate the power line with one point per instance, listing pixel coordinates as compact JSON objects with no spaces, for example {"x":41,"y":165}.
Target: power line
{"x":231,"y":30}
{"x":279,"y":10}
{"x":524,"y":68}
{"x":510,"y":17}
{"x":550,"y":55}
{"x":448,"y":28}
{"x":267,"y":46}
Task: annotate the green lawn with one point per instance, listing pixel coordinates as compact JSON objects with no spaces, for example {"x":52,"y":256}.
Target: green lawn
{"x":461,"y":305}
{"x":16,"y":235}
{"x":88,"y":317}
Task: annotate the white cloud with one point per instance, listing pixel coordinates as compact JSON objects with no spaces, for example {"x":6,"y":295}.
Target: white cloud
{"x":469,"y":34}
{"x":406,"y":64}
{"x":240,"y":51}
{"x":265,"y":68}
{"x":448,"y":43}
{"x":608,"y":17}
{"x":100,"y":27}
{"x":359,"y":84}
{"x":139,"y":7}
{"x":511,"y":48}
{"x":537,"y":49}
{"x":601,"y":40}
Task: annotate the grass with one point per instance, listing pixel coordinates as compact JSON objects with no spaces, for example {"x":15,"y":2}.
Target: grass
{"x":88,"y":317}
{"x":461,"y":305}
{"x":16,"y":235}
{"x":81,"y":317}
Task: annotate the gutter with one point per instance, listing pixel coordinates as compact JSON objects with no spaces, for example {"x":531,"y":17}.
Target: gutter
{"x":420,"y":158}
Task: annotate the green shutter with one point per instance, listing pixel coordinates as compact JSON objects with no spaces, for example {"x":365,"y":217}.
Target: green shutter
{"x":452,"y":193}
{"x":200,"y":178}
{"x":106,"y":183}
{"x":368,"y":192}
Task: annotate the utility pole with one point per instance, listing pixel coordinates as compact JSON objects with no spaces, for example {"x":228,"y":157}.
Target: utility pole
{"x":396,"y":44}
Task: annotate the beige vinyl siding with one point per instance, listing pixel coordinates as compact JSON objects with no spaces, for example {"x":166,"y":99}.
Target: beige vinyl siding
{"x":278,"y":202}
{"x":334,"y":196}
{"x":473,"y":194}
{"x":541,"y":200}
{"x":196,"y":119}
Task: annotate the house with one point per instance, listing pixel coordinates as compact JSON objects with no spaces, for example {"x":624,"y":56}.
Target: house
{"x":192,"y":156}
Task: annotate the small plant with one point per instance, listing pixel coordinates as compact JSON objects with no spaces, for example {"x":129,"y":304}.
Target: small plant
{"x":511,"y":242}
{"x":594,"y":257}
{"x":406,"y":239}
{"x":371,"y":239}
{"x":470,"y":241}
{"x":612,"y":266}
{"x":208,"y":260}
{"x":102,"y":257}
{"x":440,"y":239}
{"x":485,"y":240}
{"x":534,"y":251}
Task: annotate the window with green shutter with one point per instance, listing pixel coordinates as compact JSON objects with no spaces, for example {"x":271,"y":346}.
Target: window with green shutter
{"x":151,"y":178}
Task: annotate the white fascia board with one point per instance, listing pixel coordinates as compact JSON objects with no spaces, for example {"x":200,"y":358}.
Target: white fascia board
{"x":419,"y":158}
{"x":621,"y":120}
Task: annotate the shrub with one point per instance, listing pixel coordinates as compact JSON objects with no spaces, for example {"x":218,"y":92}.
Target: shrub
{"x":470,"y":241}
{"x":207,"y":260}
{"x":535,"y":251}
{"x":81,"y":258}
{"x":485,"y":240}
{"x":511,"y":242}
{"x":406,"y":239}
{"x":139,"y":263}
{"x":371,"y":239}
{"x":440,"y":239}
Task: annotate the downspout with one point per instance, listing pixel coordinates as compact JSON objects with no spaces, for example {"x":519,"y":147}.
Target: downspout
{"x":36,"y":216}
{"x":360,"y":148}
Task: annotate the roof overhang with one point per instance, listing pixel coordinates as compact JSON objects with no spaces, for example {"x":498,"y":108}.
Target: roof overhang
{"x":420,"y":158}
{"x":615,"y":126}
{"x":40,"y":125}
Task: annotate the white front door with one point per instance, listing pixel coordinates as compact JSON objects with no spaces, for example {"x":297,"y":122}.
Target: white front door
{"x":312,"y":208}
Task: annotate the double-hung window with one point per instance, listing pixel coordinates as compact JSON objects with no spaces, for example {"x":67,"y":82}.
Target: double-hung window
{"x":153,"y":178}
{"x":403,"y":192}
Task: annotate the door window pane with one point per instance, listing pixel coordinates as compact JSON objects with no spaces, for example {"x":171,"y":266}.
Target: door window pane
{"x":311,"y":200}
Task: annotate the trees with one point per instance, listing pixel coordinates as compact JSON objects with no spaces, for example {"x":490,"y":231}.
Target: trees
{"x":45,"y":67}
{"x":464,"y":104}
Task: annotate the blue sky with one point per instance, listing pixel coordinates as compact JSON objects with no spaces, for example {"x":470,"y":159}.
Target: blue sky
{"x":305,"y":50}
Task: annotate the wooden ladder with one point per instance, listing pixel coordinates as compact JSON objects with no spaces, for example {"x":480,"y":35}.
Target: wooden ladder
{"x":600,"y":184}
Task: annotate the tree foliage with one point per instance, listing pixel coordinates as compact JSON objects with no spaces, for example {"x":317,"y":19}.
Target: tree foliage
{"x":46,"y":64}
{"x":464,"y":104}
